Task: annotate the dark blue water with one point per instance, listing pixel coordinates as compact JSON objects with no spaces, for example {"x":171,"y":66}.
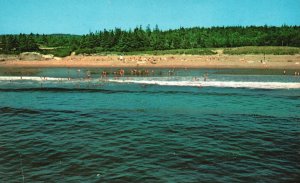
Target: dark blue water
{"x":106,"y":131}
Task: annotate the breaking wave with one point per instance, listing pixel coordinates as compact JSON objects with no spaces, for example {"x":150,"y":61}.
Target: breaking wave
{"x":163,"y":81}
{"x":227,"y":84}
{"x":32,"y":78}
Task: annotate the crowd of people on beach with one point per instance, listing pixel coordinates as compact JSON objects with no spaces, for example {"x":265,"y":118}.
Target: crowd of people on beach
{"x":121,"y":73}
{"x":105,"y":74}
{"x":118,"y":73}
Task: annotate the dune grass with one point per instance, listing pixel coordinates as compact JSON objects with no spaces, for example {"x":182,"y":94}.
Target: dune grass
{"x":58,"y":52}
{"x":194,"y":51}
{"x":269,"y":50}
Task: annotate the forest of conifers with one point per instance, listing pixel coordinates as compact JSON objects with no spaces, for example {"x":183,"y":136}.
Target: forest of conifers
{"x":147,"y":39}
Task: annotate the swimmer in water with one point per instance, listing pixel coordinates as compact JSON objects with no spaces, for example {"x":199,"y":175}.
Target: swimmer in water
{"x":205,"y":76}
{"x":88,"y":74}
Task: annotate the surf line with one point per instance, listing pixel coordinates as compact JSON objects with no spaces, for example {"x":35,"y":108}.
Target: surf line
{"x":225,"y":84}
{"x":32,"y":78}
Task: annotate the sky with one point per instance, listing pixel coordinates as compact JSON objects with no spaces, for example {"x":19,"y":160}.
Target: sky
{"x":84,"y":16}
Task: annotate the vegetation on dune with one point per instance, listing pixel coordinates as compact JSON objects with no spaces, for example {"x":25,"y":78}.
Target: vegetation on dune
{"x":275,"y":50}
{"x":155,"y":41}
{"x":58,"y":52}
{"x":193,"y":51}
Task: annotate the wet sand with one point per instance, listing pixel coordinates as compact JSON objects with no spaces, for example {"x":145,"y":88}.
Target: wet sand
{"x":165,"y":61}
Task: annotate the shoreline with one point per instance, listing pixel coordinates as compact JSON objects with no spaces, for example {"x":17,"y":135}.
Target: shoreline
{"x":220,"y":61}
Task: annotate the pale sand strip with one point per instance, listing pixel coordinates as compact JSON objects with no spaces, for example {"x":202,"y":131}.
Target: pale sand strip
{"x":167,"y":61}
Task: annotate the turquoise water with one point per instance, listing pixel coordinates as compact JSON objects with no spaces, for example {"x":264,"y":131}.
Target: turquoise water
{"x":237,"y":126}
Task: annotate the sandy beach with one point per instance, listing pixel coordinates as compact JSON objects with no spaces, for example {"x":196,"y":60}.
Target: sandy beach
{"x":163,"y":61}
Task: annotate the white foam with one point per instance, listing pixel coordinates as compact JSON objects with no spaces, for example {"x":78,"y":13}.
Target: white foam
{"x":32,"y":78}
{"x":164,"y":82}
{"x":226,"y":84}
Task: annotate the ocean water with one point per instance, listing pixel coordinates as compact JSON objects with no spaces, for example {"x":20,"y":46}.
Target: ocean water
{"x":167,"y":126}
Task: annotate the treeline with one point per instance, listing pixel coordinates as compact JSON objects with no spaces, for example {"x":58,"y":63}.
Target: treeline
{"x":147,"y":39}
{"x":18,"y":43}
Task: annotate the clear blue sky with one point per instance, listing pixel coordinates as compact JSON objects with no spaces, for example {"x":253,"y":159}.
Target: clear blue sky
{"x":82,"y":16}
